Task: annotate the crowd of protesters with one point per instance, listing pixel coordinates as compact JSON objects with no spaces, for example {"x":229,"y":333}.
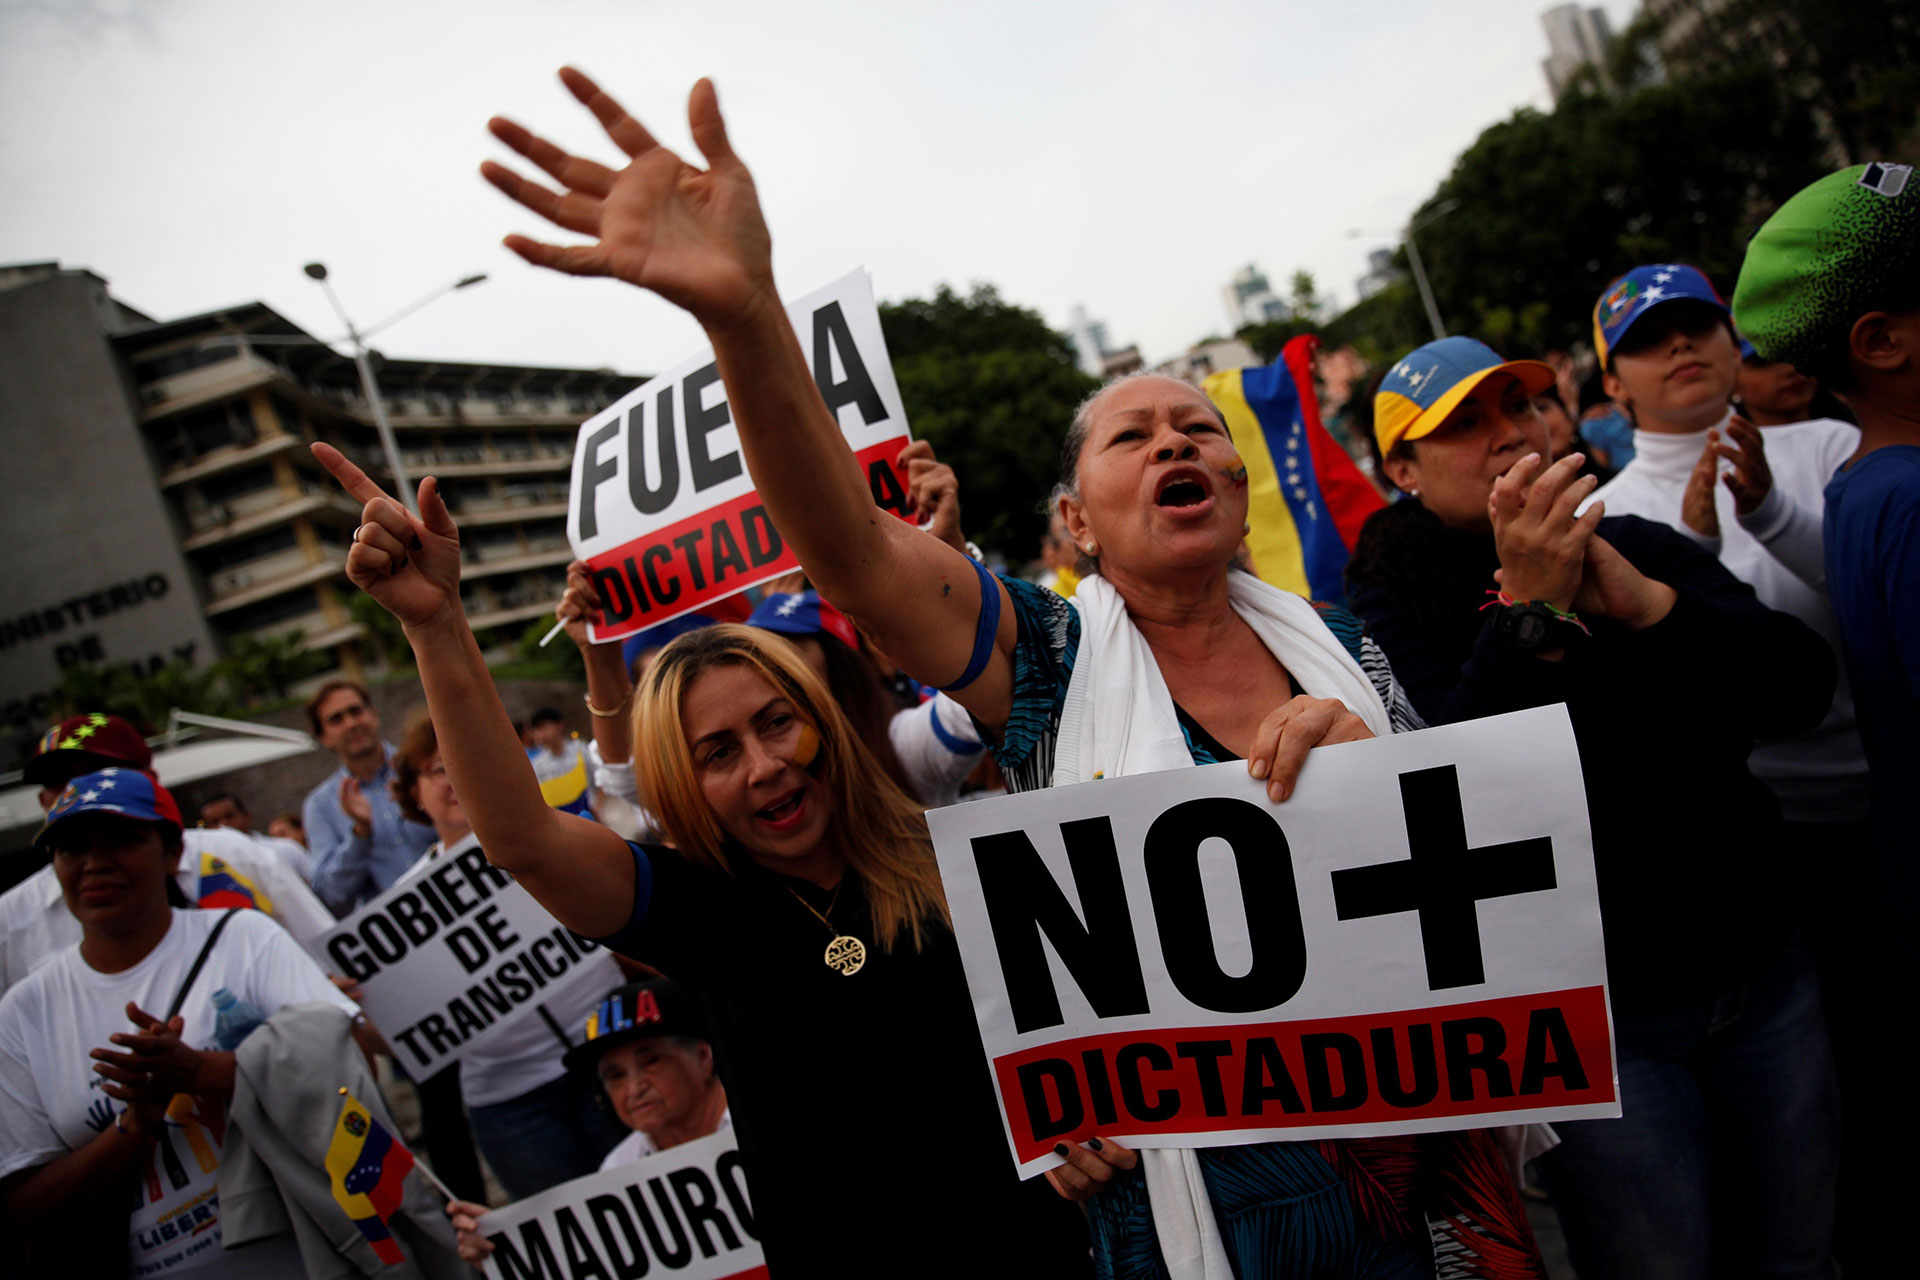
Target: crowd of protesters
{"x":1711,"y":563}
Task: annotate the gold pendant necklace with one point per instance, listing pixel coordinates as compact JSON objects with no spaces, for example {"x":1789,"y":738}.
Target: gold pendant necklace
{"x":845,"y":953}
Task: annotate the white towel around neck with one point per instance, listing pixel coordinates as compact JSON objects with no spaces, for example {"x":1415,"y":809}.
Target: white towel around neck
{"x":1119,"y":719}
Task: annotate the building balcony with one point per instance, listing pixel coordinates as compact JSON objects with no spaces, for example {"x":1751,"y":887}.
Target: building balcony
{"x":253,"y":512}
{"x":472,"y":515}
{"x":317,"y":631}
{"x":270,"y":576}
{"x":482,"y":563}
{"x":227,"y":459}
{"x":482,"y":614}
{"x":487,"y":462}
{"x":220,"y":380}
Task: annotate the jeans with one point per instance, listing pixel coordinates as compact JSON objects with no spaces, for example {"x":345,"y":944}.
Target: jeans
{"x":1725,"y":1157}
{"x":544,"y":1137}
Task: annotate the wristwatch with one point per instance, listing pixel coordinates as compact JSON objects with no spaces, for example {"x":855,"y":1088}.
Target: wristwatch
{"x":1529,"y":627}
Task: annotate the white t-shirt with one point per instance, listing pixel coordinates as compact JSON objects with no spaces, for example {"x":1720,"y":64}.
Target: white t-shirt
{"x":637,"y":1145}
{"x":525,"y":1053}
{"x":937,"y":747}
{"x":51,"y":1103}
{"x":35,"y":922}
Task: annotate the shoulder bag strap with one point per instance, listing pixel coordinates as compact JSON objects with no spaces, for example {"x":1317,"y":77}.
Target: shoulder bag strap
{"x":199,"y":962}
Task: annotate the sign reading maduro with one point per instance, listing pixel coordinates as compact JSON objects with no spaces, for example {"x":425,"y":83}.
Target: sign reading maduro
{"x":682,"y":1213}
{"x":662,"y":507}
{"x":448,"y":956}
{"x":1410,"y":943}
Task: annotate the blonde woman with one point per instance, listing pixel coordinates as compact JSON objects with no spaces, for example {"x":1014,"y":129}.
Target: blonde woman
{"x":800,"y":902}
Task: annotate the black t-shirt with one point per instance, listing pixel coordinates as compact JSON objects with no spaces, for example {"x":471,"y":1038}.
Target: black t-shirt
{"x":862,"y":1103}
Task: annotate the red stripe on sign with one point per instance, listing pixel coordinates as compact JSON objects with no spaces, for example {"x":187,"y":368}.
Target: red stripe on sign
{"x":1514,"y":1054}
{"x":754,"y":1273}
{"x":718,"y":553}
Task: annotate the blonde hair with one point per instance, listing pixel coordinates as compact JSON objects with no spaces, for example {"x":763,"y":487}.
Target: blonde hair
{"x":880,"y":831}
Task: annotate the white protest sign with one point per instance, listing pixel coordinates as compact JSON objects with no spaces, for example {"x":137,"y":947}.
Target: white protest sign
{"x":447,"y":957}
{"x":681,"y":1214}
{"x":662,"y":507}
{"x":1410,"y":943}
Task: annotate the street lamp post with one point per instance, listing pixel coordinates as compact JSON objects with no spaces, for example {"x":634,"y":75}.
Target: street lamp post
{"x":318,"y":271}
{"x":1420,"y":271}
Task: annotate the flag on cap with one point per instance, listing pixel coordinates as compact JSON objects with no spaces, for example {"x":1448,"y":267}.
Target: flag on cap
{"x":222,"y":886}
{"x":1306,"y":500}
{"x":368,"y":1165}
{"x":126,"y":792}
{"x":1641,"y":290}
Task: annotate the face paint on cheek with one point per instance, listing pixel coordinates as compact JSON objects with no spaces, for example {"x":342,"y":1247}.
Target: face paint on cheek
{"x":1235,"y":472}
{"x":806,"y":752}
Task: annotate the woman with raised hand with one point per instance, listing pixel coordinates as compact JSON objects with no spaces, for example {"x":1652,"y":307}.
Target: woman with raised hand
{"x":1166,"y":658}
{"x":800,"y":901}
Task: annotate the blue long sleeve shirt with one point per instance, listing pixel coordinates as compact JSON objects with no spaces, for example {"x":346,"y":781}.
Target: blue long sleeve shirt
{"x":348,"y":869}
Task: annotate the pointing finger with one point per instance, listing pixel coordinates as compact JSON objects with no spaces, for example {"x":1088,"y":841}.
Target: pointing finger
{"x":351,"y":478}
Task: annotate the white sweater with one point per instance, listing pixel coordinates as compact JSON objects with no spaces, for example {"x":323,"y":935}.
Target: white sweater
{"x":1820,"y":776}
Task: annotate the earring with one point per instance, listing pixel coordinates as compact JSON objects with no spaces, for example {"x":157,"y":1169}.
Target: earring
{"x":1413,"y":493}
{"x":1246,"y":527}
{"x":1092,"y":548}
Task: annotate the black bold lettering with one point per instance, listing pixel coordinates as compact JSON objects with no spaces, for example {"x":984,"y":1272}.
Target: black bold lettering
{"x":1547,"y":1033}
{"x":413,"y":917}
{"x":488,"y":1000}
{"x":655,"y":498}
{"x":1099,"y":1087}
{"x":1425,"y":1086}
{"x":629,"y":1257}
{"x":1274,"y":930}
{"x":345,"y":952}
{"x":1206,"y":1055}
{"x":439,"y":1034}
{"x":677,"y":1255}
{"x":428,"y":890}
{"x":830,"y":332}
{"x":517,"y":987}
{"x":467,"y":947}
{"x":1034,"y":1077}
{"x":594,"y":472}
{"x":726,"y":552}
{"x":459,"y":893}
{"x":689,"y":544}
{"x":763,"y":540}
{"x":698,"y":1201}
{"x":885,"y":485}
{"x":661,"y":595}
{"x":405,"y":1036}
{"x":1267,"y":1079}
{"x":383,"y":939}
{"x":1318,"y":1049}
{"x":733,"y":1183}
{"x":1024,"y":902}
{"x":155,"y":585}
{"x":537,"y":1263}
{"x":616,"y":603}
{"x":632,"y":570}
{"x":1126,"y":1065}
{"x":499,"y":933}
{"x":582,"y":1261}
{"x":1463,"y":1059}
{"x":481,"y":874}
{"x":702,"y":420}
{"x":469,"y":1023}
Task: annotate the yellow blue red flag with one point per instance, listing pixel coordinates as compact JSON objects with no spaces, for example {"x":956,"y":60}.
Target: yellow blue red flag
{"x":368,"y":1166}
{"x":222,"y":886}
{"x":1306,"y":498}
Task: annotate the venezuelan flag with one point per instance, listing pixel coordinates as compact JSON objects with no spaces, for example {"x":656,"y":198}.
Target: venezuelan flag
{"x":568,"y":791}
{"x":1306,"y":498}
{"x":368,"y":1166}
{"x":222,"y":886}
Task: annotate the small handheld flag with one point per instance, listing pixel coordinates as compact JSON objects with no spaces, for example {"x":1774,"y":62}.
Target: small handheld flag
{"x":368,"y":1166}
{"x":222,"y":886}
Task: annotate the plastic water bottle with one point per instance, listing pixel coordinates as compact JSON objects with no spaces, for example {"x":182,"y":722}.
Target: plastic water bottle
{"x":234,"y":1020}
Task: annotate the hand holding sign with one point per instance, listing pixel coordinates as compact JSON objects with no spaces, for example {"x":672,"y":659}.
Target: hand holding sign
{"x":695,"y":238}
{"x":409,"y":563}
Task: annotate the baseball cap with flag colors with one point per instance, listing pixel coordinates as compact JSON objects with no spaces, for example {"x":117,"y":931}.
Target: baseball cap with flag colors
{"x":129,"y":793}
{"x":1825,"y":258}
{"x":1430,"y":382}
{"x":1639,"y":291}
{"x":803,"y":613}
{"x":89,"y":742}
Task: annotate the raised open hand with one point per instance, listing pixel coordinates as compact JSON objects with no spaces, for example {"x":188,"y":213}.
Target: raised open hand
{"x":409,"y":563}
{"x":1542,"y":543}
{"x":1750,"y":479}
{"x":695,"y":237}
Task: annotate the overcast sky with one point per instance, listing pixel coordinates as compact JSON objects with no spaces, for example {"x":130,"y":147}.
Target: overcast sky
{"x":1129,"y":155}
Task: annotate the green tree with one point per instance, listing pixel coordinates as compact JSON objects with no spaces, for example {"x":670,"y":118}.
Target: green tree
{"x":992,"y":388}
{"x":1269,"y":337}
{"x":258,"y":666}
{"x":144,"y":698}
{"x":1303,"y":298}
{"x":384,"y":633}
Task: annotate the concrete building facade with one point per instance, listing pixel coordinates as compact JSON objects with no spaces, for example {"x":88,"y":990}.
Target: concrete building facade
{"x":200,"y":515}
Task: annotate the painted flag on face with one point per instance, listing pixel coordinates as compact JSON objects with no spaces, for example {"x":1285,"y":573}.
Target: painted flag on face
{"x":222,"y":886}
{"x":367,"y":1166}
{"x":1306,"y":499}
